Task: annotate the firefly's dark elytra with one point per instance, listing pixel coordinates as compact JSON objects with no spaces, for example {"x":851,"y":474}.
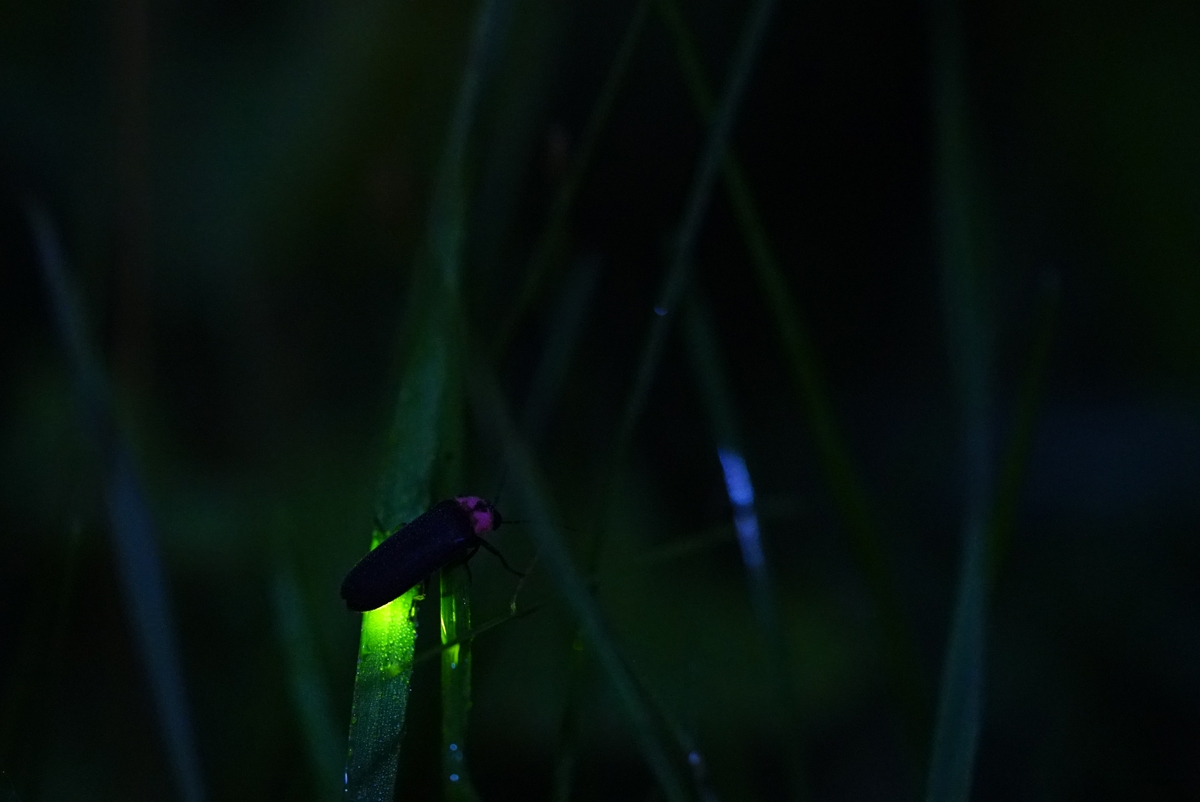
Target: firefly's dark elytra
{"x":447,"y":532}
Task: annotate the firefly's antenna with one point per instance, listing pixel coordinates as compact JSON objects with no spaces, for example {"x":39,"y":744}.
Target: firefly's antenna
{"x":500,"y":489}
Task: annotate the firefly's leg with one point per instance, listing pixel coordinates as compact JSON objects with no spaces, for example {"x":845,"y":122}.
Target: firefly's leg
{"x":467,"y":564}
{"x":503,"y":561}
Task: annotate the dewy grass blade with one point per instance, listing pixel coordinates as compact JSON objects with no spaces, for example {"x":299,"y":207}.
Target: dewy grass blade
{"x":142,"y":577}
{"x":456,"y":684}
{"x":381,"y":681}
{"x":956,"y":730}
{"x":380,"y":701}
{"x":495,"y":419}
{"x":428,"y":394}
{"x":718,"y":402}
{"x":847,"y":488}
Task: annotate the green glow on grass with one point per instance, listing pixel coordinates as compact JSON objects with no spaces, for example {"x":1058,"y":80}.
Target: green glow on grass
{"x":377,"y":714}
{"x":388,"y":636}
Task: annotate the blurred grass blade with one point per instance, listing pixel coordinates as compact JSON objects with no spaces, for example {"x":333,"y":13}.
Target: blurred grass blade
{"x":718,"y":402}
{"x":684,"y":742}
{"x":848,"y":491}
{"x":7,"y":792}
{"x":550,"y":242}
{"x":310,"y":696}
{"x":511,"y":134}
{"x":720,"y":128}
{"x":428,"y":419}
{"x":956,"y":730}
{"x":494,"y":418}
{"x":1016,"y":455}
{"x":960,"y":700}
{"x":140,"y":567}
{"x":456,"y":684}
{"x":563,"y":331}
{"x":448,"y":212}
{"x":570,"y":314}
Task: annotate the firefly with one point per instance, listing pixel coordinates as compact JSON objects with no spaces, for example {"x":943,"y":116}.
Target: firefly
{"x":449,"y":532}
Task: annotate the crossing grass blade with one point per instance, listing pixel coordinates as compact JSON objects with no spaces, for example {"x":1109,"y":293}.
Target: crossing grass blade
{"x":847,"y":487}
{"x":494,"y":419}
{"x":695,"y":209}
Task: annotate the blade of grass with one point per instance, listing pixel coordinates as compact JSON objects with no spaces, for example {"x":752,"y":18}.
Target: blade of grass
{"x":959,"y":713}
{"x":570,"y":314}
{"x":448,"y":218}
{"x":494,"y":419}
{"x":847,"y":488}
{"x":456,"y":684}
{"x":512,"y":130}
{"x":131,"y":525}
{"x":427,"y":415}
{"x":307,"y":682}
{"x":718,"y":402}
{"x":550,"y":242}
{"x":1016,"y":456}
{"x":381,"y":681}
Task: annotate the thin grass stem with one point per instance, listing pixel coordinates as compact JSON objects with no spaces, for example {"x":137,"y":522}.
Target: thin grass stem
{"x":469,"y":636}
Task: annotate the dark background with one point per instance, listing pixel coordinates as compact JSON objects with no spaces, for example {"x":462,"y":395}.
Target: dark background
{"x":240,"y":189}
